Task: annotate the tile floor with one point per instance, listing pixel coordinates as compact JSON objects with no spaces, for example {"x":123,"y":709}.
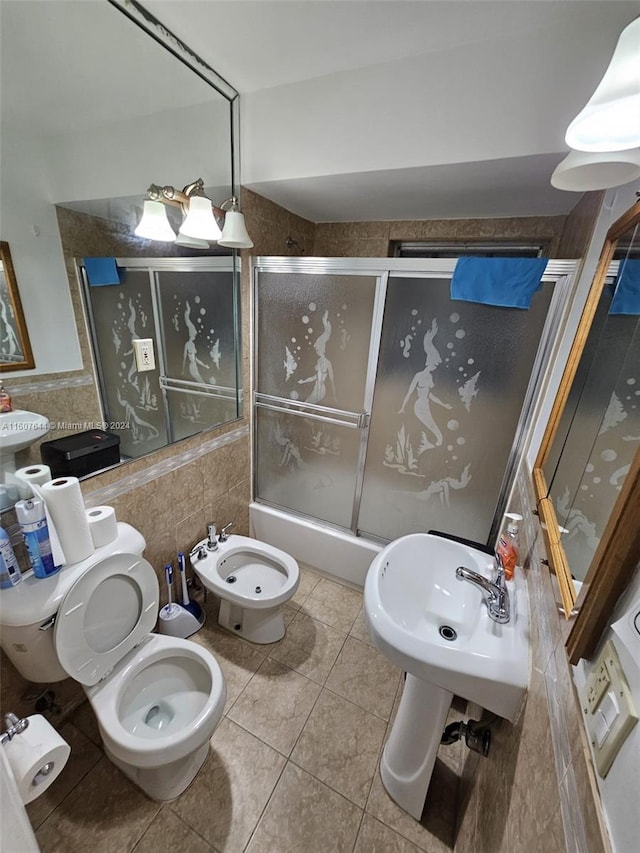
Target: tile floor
{"x":293,"y":766}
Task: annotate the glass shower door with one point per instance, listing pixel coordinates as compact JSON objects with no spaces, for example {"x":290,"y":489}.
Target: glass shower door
{"x":452,"y":378}
{"x":314,"y":379}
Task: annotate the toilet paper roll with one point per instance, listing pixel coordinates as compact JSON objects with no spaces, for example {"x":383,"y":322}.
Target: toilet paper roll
{"x":102,"y":524}
{"x":66,"y":506}
{"x":38,"y":474}
{"x":36,"y":756}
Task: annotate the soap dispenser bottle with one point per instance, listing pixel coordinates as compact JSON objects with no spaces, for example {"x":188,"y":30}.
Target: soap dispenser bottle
{"x":508,"y":547}
{"x":5,"y":399}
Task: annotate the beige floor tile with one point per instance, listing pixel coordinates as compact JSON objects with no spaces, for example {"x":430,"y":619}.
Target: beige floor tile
{"x":305,"y":816}
{"x":382,"y":807}
{"x":227,"y":797}
{"x":310,"y":647}
{"x":308,"y":582}
{"x":275,"y":705}
{"x":238,"y":660}
{"x":362,"y":675}
{"x":106,"y":812}
{"x":168,"y":834}
{"x":359,"y":629}
{"x":375,"y":837}
{"x":84,"y":756}
{"x":334,"y":604}
{"x":340,"y":744}
{"x":84,"y":719}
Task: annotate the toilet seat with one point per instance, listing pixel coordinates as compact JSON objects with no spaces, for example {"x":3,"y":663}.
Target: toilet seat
{"x":108,"y":611}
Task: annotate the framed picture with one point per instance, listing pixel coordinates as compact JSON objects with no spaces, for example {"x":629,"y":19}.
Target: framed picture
{"x":15,"y":347}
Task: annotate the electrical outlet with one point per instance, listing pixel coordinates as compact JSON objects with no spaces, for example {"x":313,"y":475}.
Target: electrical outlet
{"x":597,"y":686}
{"x":609,"y":710}
{"x":145,"y":357}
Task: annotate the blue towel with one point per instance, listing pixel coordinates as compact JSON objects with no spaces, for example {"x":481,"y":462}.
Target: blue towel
{"x":626,"y":298}
{"x":506,"y":282}
{"x":101,"y":271}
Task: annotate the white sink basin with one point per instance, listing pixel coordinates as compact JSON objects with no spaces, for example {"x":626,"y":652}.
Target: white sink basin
{"x":412,"y":592}
{"x":437,"y":627}
{"x":19,"y":429}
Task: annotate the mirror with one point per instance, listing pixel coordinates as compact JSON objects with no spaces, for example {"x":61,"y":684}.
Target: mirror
{"x":594,"y":431}
{"x":15,"y":346}
{"x":87,"y":124}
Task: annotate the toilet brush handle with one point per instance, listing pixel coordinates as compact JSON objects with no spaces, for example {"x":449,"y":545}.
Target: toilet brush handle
{"x":183,"y":578}
{"x":169,"y":575}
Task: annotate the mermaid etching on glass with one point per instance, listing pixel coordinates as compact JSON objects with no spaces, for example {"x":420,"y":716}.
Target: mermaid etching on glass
{"x":422,"y":383}
{"x":323,"y":367}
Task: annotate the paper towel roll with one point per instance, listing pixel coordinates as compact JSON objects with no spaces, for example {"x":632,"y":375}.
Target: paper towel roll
{"x":38,"y":474}
{"x":36,"y":756}
{"x":66,"y":506}
{"x":102,"y":524}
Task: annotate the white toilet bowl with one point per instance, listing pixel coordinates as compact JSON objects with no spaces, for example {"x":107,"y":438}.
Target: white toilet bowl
{"x":157,"y":711}
{"x":252,"y":580}
{"x":157,"y":698}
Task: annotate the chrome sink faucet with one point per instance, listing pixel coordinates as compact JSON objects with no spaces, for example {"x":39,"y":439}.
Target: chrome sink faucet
{"x":497,"y":594}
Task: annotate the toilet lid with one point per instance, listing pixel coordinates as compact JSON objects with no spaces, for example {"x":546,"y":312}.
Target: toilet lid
{"x":107,"y":611}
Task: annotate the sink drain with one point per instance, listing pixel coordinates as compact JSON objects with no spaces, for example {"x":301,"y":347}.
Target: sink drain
{"x":447,"y":633}
{"x":231,"y":579}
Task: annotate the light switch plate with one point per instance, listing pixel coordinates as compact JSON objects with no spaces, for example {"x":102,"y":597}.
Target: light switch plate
{"x":608,"y":707}
{"x":145,"y":356}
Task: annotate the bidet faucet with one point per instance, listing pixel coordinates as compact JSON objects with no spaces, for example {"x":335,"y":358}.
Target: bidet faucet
{"x":212,"y":543}
{"x":497,"y":594}
{"x":223,"y":533}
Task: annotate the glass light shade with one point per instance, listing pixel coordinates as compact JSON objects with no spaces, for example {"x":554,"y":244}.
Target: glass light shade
{"x":190,"y":242}
{"x":234,"y":233}
{"x":581,"y":171}
{"x":200,"y":221}
{"x":611,"y":119}
{"x":154,"y":224}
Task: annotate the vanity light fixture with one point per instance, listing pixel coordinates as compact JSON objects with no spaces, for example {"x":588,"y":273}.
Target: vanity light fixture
{"x":610,"y":121}
{"x":584,"y":171}
{"x":202,"y":218}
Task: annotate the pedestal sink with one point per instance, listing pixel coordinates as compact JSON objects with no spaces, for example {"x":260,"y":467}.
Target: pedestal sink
{"x":18,"y":430}
{"x":437,"y":628}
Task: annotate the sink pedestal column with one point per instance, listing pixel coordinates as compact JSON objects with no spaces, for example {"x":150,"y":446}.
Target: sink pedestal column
{"x":410,"y":753}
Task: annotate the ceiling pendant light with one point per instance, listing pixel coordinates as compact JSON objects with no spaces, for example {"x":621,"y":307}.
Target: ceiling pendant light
{"x":610,"y":121}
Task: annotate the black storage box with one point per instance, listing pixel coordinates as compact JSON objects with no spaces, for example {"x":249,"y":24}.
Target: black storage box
{"x":82,"y":453}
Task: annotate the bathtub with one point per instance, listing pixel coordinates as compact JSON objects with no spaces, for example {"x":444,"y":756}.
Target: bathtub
{"x":332,"y":552}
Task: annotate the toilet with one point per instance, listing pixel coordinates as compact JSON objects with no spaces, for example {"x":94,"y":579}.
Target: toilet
{"x":157,"y":699}
{"x":253,"y":580}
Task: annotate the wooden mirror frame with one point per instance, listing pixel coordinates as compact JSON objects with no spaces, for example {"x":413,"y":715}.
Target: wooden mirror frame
{"x":27,"y":362}
{"x":618,"y":553}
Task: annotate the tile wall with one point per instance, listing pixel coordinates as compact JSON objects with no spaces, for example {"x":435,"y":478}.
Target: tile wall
{"x":536,"y":791}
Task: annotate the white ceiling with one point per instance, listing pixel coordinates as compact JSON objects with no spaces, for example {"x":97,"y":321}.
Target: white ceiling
{"x":350,"y":109}
{"x":360,"y":110}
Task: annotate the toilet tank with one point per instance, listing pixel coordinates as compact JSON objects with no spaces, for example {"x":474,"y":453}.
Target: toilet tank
{"x":27,"y":611}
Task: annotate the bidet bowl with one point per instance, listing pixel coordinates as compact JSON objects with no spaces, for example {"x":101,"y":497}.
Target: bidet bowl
{"x":436,"y":626}
{"x":248,"y":573}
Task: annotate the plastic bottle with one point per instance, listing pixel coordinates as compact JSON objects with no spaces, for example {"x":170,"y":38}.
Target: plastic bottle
{"x":508,"y":547}
{"x":35,"y":530}
{"x":5,"y":399}
{"x":9,"y":569}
